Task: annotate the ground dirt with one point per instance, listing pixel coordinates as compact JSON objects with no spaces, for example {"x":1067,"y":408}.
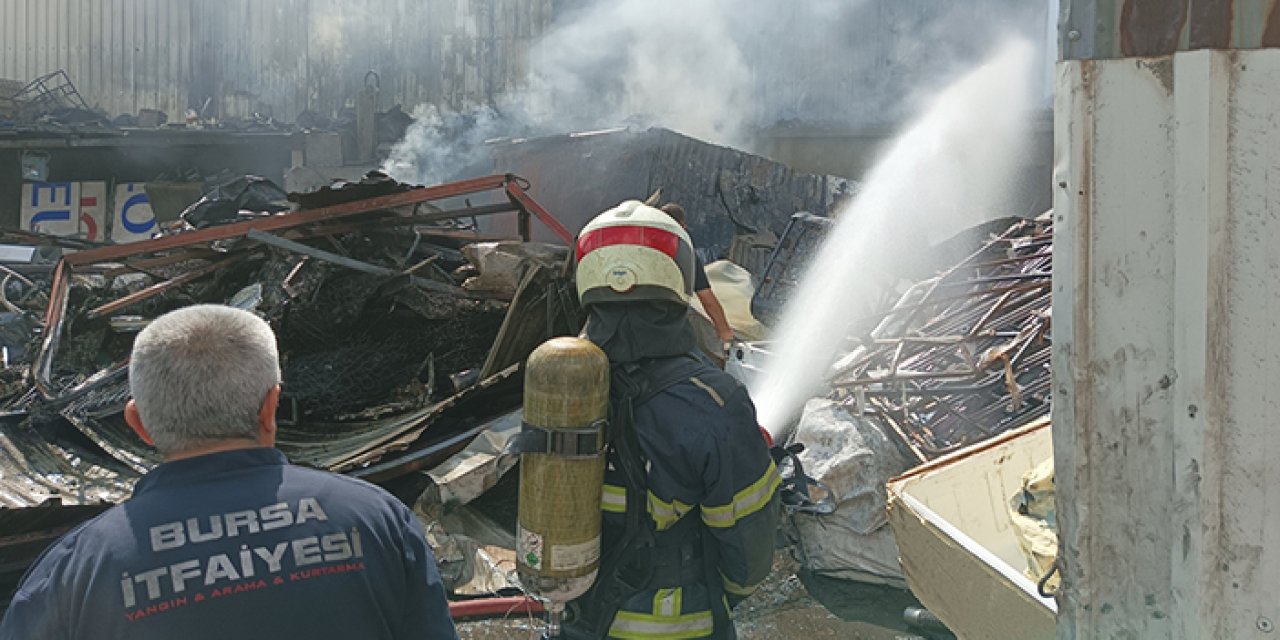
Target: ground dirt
{"x":781,"y":608}
{"x":791,"y":603}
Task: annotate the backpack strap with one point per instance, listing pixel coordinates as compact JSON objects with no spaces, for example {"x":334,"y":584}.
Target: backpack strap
{"x":631,"y":384}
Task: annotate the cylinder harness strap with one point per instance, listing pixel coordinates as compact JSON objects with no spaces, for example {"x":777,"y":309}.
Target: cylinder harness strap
{"x":632,"y":565}
{"x":587,"y":442}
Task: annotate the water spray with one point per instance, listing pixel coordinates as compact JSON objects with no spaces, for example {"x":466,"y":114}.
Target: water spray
{"x":948,"y":171}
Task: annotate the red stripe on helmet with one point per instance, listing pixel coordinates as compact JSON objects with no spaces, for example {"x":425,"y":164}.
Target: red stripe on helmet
{"x":652,"y":237}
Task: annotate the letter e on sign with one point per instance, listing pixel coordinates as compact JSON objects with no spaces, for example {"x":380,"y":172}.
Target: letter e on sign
{"x":51,"y":207}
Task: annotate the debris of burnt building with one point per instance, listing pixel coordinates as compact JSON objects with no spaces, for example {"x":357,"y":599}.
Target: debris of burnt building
{"x":960,"y":358}
{"x":737,"y":203}
{"x":396,"y":349}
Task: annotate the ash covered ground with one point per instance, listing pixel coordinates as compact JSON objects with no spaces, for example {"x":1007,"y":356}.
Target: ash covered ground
{"x":782,"y":608}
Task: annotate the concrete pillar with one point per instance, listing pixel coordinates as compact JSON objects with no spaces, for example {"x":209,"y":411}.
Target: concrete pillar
{"x":1167,"y":345}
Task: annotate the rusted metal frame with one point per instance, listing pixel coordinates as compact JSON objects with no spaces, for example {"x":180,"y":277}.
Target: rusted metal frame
{"x":453,"y":214}
{"x":1033,"y":240}
{"x":964,"y":296}
{"x":992,"y":264}
{"x":161,"y":287}
{"x":939,"y":359}
{"x":957,"y":318}
{"x":905,"y":376}
{"x":404,"y":221}
{"x":943,"y":340}
{"x":523,"y":227}
{"x":288,"y":221}
{"x":141,"y":265}
{"x":982,"y":322}
{"x":906,"y":325}
{"x":924,"y":301}
{"x":950,"y":410}
{"x":1017,"y":311}
{"x":1012,"y":277}
{"x":519,"y":196}
{"x":974,"y":319}
{"x":949,"y":273}
{"x":903,"y":436}
{"x":329,"y":228}
{"x":350,"y":263}
{"x":42,"y":366}
{"x":897,"y":357}
{"x":465,"y":235}
{"x":933,"y":392}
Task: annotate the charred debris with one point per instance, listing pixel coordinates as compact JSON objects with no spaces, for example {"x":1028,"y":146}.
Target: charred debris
{"x":963,"y":356}
{"x":401,"y":328}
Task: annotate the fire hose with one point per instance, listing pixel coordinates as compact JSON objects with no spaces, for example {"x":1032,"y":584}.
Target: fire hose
{"x":494,"y":607}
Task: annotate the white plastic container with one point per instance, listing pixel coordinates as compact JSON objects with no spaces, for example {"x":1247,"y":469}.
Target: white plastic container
{"x":957,"y":544}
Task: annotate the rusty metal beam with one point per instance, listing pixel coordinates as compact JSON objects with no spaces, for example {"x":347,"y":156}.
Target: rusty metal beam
{"x":141,"y":266}
{"x":289,"y":221}
{"x":518,"y":195}
{"x":351,"y":263}
{"x":406,"y":221}
{"x":161,"y":287}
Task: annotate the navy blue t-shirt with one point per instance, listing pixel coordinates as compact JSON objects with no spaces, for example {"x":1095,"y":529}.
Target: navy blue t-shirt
{"x":241,"y":545}
{"x":700,"y":281}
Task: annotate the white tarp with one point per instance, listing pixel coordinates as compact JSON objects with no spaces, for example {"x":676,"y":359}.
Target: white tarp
{"x":475,"y":557}
{"x":855,"y":459}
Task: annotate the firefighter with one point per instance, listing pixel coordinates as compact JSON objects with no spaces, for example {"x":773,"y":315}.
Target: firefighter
{"x":226,"y":539}
{"x":701,"y":285}
{"x":690,"y":500}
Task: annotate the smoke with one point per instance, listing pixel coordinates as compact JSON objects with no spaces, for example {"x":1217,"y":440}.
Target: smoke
{"x":724,"y":70}
{"x":439,"y":145}
{"x":665,"y":63}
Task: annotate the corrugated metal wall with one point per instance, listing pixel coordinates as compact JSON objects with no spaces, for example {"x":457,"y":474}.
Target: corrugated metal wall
{"x":121,"y":54}
{"x":275,"y":57}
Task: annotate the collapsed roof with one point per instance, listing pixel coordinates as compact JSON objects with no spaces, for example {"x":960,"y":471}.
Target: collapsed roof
{"x":393,"y":358}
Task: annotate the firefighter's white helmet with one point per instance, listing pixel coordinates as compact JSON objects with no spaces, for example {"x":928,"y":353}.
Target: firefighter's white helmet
{"x":634,"y":252}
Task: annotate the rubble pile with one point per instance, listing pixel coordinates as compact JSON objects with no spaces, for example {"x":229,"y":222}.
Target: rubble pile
{"x":391,"y":360}
{"x":963,"y":356}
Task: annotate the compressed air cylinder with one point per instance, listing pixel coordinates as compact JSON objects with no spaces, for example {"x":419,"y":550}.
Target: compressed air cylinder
{"x":566,"y":393}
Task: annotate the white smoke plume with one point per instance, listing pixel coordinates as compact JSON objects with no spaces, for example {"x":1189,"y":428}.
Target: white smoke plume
{"x":438,"y":144}
{"x":723,"y":70}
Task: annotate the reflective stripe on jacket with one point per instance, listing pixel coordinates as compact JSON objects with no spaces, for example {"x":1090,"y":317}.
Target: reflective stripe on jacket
{"x":709,"y":474}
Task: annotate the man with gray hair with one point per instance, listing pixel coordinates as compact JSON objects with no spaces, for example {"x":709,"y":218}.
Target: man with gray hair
{"x":226,"y":539}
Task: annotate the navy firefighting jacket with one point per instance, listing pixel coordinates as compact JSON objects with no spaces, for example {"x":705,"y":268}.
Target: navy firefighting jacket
{"x":709,"y":474}
{"x":241,"y":545}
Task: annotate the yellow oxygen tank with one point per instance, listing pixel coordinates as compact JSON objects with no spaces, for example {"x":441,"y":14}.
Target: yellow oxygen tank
{"x":566,"y":402}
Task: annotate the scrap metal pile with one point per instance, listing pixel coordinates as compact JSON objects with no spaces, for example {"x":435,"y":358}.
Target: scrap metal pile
{"x":963,"y":356}
{"x":396,"y":349}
